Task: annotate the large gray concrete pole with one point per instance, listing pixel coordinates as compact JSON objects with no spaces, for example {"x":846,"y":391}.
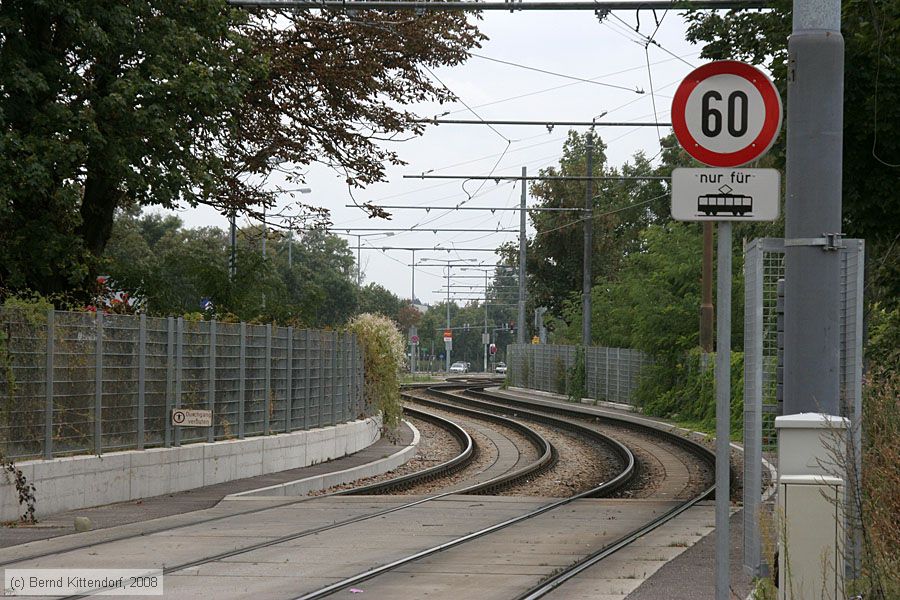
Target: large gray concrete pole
{"x":586,"y":276}
{"x":813,"y":208}
{"x":520,"y":329}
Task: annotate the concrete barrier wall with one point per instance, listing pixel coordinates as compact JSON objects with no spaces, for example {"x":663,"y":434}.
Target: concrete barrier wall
{"x":80,"y":481}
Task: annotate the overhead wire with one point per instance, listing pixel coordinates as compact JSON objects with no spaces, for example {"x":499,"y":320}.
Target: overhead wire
{"x":565,"y":85}
{"x":554,"y":73}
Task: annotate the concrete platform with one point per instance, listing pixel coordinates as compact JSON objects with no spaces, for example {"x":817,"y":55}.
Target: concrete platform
{"x":494,"y":566}
{"x":164,"y":508}
{"x":73,"y":482}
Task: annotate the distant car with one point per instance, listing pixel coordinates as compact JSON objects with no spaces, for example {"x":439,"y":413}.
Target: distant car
{"x":500,"y":368}
{"x":459,"y":367}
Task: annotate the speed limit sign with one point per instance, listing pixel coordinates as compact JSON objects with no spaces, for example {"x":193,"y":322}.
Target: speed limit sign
{"x":726,"y":113}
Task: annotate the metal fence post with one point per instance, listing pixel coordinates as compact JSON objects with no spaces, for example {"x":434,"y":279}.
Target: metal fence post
{"x":142,"y":381}
{"x":211,"y":387}
{"x":48,"y":407}
{"x":242,"y":382}
{"x":98,"y":387}
{"x":335,"y":396}
{"x":307,"y":372}
{"x":179,"y":366}
{"x":267,"y":401}
{"x":288,"y":381}
{"x":170,"y":379}
{"x":321,"y":379}
{"x":753,"y":385}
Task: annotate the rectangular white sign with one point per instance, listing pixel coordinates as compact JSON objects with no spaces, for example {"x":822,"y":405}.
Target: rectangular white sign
{"x":185,"y":417}
{"x":725,"y":194}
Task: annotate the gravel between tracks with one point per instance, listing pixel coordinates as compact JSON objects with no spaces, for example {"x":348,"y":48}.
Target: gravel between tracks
{"x":581,"y":465}
{"x":436,"y":446}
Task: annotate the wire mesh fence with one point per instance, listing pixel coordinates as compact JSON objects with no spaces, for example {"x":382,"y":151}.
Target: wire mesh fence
{"x":763,"y":372}
{"x":76,"y":383}
{"x":611,"y":374}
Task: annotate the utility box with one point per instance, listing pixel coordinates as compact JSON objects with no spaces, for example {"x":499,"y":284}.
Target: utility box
{"x":810,"y":537}
{"x":811,"y":506}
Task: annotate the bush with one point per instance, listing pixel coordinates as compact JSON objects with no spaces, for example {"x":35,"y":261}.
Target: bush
{"x":384,"y":352}
{"x":577,"y":377}
{"x":880,"y":482}
{"x":686,"y":391}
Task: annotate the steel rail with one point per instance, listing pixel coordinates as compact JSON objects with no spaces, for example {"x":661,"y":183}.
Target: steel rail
{"x":572,"y":571}
{"x":603,"y":489}
{"x":546,"y":460}
{"x":489,"y":484}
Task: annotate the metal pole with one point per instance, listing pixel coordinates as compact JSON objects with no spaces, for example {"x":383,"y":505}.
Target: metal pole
{"x":706,"y":303}
{"x":179,"y":366}
{"x":412,"y":296}
{"x":813,"y":209}
{"x":448,"y":346}
{"x":290,"y":246}
{"x":520,"y":332}
{"x":170,"y":380}
{"x":358,"y":248}
{"x":588,"y":245}
{"x":267,"y":402}
{"x":211,"y":382}
{"x":98,"y":387}
{"x":723,"y":409}
{"x":486,"y":340}
{"x":242,"y":379}
{"x":142,"y":381}
{"x":48,"y":406}
{"x":288,"y":382}
{"x":264,"y":234}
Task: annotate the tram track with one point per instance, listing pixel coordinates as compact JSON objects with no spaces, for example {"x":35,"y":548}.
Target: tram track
{"x":560,"y":576}
{"x":588,"y":428}
{"x":547,"y":456}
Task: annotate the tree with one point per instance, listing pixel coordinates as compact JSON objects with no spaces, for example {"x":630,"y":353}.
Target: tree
{"x":171,"y":103}
{"x":871,"y":151}
{"x":621,"y":209}
{"x":170,"y":269}
{"x":374,"y":298}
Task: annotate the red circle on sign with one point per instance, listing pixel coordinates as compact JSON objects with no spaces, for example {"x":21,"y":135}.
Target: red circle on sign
{"x":771,"y":124}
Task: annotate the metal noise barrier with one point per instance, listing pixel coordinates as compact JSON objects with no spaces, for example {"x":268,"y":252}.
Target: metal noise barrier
{"x":76,"y":383}
{"x":611,"y":374}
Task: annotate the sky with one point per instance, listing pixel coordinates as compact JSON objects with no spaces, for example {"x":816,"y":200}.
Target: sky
{"x":568,"y":43}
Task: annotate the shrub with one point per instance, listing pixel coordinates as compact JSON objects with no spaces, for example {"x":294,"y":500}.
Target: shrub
{"x":686,"y":390}
{"x":384,"y":354}
{"x":880,"y":482}
{"x":577,"y":377}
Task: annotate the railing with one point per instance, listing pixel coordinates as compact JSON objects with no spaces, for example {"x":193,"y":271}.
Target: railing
{"x":611,"y":374}
{"x":77,"y":383}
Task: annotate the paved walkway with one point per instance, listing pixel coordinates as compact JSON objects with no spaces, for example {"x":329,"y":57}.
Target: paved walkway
{"x":122,"y":513}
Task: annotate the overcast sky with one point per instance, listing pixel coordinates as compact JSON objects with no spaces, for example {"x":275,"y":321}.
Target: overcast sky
{"x":570,"y":43}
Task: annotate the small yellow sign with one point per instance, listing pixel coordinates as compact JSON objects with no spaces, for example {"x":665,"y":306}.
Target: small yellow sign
{"x":535,"y":340}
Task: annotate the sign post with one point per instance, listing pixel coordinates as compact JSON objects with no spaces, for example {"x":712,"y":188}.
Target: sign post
{"x":413,"y":348}
{"x":448,"y":345}
{"x":725,"y":114}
